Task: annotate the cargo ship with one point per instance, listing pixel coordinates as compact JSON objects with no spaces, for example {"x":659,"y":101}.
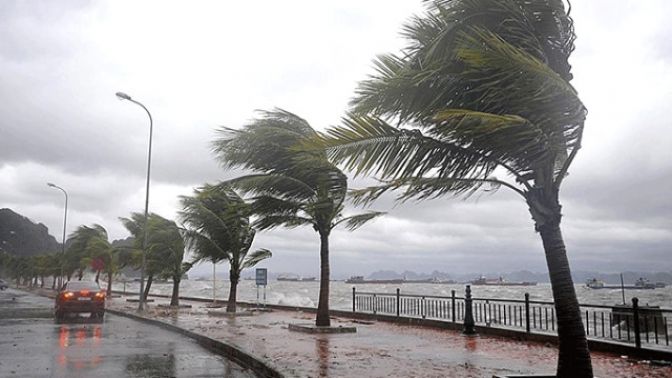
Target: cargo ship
{"x":295,"y":278}
{"x":641,"y":283}
{"x":361,"y":280}
{"x":499,"y":282}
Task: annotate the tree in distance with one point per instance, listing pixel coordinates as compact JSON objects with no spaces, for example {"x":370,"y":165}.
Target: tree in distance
{"x":218,"y":229}
{"x":92,"y":243}
{"x":481,"y":90}
{"x":289,"y":187}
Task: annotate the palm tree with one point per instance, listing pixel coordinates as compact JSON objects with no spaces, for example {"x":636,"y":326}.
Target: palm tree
{"x":97,"y":248}
{"x":219,"y":229}
{"x":165,"y":250}
{"x":290,"y":187}
{"x":481,"y":90}
{"x":154,"y":257}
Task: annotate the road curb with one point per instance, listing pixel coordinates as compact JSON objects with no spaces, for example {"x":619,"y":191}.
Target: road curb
{"x":262,"y":368}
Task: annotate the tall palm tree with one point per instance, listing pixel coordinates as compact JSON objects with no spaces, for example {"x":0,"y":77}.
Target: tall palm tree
{"x":165,"y":250}
{"x":219,"y":229}
{"x":481,"y":91}
{"x":290,"y":187}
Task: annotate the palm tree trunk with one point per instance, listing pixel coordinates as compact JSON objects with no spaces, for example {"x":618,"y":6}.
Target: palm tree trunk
{"x":80,"y":274}
{"x":41,"y":281}
{"x":323,"y":303}
{"x":574,"y":356}
{"x":53,"y":283}
{"x":109,"y":282}
{"x":150,"y":278}
{"x":233,"y":278}
{"x":97,"y":276}
{"x":175,"y":298}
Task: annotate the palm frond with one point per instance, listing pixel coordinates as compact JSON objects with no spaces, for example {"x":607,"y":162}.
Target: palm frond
{"x":370,"y":145}
{"x":281,"y":186}
{"x":270,"y":221}
{"x":356,"y":221}
{"x":204,"y":248}
{"x":252,"y":259}
{"x":504,"y":138}
{"x":421,"y":188}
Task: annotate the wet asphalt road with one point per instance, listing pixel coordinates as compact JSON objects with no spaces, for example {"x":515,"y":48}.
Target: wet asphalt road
{"x":32,"y":344}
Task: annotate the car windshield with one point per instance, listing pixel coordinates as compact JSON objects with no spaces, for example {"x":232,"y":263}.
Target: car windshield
{"x":82,"y":285}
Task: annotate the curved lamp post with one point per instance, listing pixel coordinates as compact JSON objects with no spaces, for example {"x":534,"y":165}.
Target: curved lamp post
{"x":124,"y":96}
{"x":65,"y":223}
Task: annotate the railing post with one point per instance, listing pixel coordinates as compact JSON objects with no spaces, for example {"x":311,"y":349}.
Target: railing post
{"x":423,"y":307}
{"x":452,"y":306}
{"x":468,"y":314}
{"x":353,"y":299}
{"x":374,"y":303}
{"x":527,"y":312}
{"x":398,"y":303}
{"x":635,"y":317}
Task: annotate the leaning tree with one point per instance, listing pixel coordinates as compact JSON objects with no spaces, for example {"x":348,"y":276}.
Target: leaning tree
{"x":164,"y":253}
{"x":479,"y":98}
{"x":218,"y":228}
{"x":289,"y":187}
{"x":98,"y":252}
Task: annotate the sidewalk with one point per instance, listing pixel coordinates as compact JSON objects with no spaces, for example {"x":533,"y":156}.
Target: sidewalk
{"x":378,"y":349}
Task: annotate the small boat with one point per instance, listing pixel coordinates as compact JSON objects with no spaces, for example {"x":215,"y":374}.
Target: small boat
{"x":361,"y":280}
{"x":499,"y":282}
{"x":643,"y":283}
{"x":594,"y":283}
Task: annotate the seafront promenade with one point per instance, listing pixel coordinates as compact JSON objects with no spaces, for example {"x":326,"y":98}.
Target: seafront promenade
{"x":377,"y":349}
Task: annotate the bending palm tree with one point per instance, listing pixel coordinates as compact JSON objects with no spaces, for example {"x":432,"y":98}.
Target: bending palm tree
{"x":483,"y":88}
{"x":291,"y":187}
{"x":219,"y":229}
{"x":165,"y":250}
{"x":95,"y":246}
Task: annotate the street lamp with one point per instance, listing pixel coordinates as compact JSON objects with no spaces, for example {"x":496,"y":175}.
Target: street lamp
{"x":65,"y":223}
{"x":124,"y":96}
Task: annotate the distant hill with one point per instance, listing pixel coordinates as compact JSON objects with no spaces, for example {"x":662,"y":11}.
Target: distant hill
{"x":19,"y":236}
{"x":579,"y":276}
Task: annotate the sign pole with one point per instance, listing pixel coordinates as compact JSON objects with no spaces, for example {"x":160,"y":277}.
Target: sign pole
{"x":261,"y":278}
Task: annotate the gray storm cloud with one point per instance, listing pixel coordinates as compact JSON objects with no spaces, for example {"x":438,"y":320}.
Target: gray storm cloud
{"x":198,"y":66}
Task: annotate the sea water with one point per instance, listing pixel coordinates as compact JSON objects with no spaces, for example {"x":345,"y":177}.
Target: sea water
{"x":305,"y":294}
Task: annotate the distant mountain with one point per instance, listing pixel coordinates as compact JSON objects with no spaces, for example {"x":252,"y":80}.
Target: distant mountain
{"x":523,"y":275}
{"x":19,"y":236}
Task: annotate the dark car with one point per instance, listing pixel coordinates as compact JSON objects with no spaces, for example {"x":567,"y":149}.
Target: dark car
{"x":3,"y":285}
{"x":79,"y":297}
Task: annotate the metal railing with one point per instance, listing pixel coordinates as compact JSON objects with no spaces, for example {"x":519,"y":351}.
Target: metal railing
{"x":647,"y":325}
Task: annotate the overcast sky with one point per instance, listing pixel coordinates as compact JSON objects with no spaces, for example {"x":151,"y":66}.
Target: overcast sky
{"x":198,"y":65}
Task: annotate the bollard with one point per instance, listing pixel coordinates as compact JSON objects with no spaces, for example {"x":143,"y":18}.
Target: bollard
{"x":635,"y":318}
{"x":468,"y":314}
{"x":398,"y":303}
{"x":452,"y":305}
{"x":353,"y":299}
{"x":527,"y":312}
